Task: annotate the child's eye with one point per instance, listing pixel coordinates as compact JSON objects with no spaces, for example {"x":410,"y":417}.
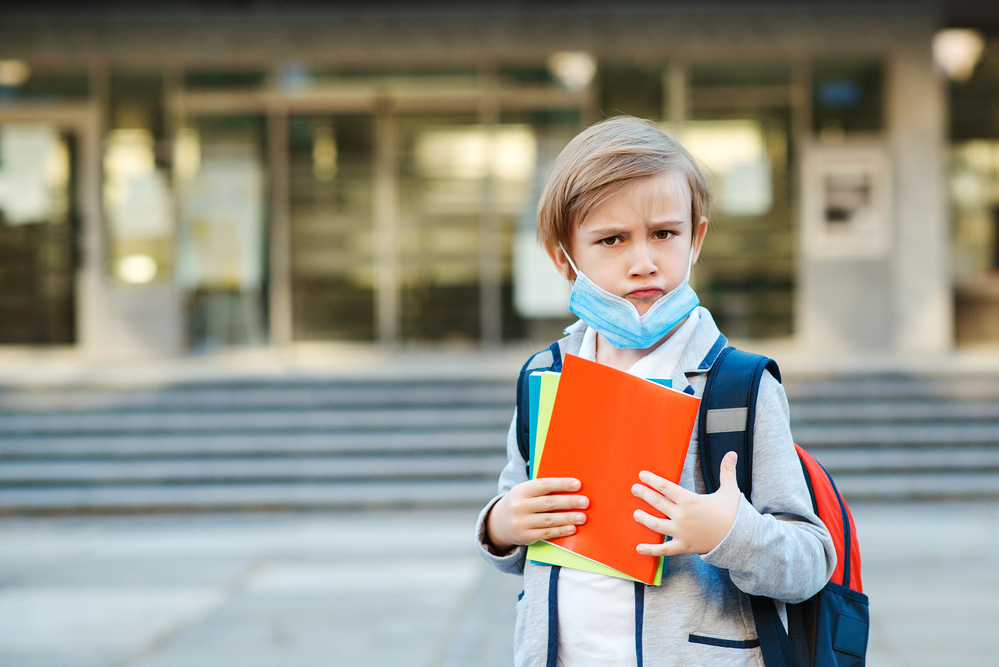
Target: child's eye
{"x":664,"y":234}
{"x":610,"y":240}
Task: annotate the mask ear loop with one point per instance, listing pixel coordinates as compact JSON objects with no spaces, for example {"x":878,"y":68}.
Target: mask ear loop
{"x":573,"y":264}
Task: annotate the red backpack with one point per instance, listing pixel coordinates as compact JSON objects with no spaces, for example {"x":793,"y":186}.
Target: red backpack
{"x":831,"y":628}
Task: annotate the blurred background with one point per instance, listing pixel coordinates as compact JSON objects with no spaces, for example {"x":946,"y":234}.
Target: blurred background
{"x":280,"y":258}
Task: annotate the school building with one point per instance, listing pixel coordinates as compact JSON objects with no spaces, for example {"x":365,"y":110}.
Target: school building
{"x":183,"y":177}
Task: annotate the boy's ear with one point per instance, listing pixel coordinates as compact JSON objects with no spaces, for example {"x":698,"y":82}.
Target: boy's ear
{"x":698,"y":239}
{"x":561,"y":262}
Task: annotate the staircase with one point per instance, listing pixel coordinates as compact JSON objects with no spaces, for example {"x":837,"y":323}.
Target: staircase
{"x":253,"y":445}
{"x":901,"y":437}
{"x":298,"y":443}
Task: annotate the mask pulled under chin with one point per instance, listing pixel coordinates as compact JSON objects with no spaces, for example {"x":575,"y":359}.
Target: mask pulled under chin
{"x":618,"y":320}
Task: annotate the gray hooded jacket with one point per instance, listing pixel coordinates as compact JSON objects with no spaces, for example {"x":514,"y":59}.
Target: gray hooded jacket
{"x":701,"y":614}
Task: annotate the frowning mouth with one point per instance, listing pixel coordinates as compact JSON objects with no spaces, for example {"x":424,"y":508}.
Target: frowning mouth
{"x":645,"y":292}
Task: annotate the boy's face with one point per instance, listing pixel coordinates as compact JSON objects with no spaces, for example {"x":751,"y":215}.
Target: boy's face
{"x":638,"y":243}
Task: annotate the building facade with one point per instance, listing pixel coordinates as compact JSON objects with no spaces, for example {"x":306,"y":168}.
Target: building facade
{"x":191,"y":177}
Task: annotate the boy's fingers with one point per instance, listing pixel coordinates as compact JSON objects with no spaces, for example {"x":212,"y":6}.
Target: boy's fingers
{"x":658,"y":500}
{"x":669,"y":548}
{"x":545,"y":485}
{"x":662,"y":485}
{"x":555,"y":519}
{"x":661,"y":526}
{"x":555,"y":532}
{"x":557,"y":503}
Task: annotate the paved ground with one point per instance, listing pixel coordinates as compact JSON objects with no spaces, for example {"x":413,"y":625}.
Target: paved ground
{"x":400,"y":589}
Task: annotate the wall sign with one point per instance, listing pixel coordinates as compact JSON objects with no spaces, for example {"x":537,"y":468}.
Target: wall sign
{"x":846,"y":201}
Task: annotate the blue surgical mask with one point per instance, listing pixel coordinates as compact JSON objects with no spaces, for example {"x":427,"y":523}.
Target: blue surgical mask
{"x":618,"y":320}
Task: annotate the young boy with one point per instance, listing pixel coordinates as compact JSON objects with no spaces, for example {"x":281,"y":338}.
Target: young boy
{"x":623,"y":216}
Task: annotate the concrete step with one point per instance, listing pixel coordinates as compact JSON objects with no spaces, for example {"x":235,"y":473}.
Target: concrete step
{"x":878,"y":411}
{"x":366,"y":494}
{"x":256,"y":470}
{"x":907,"y":460}
{"x":893,"y":435}
{"x":923,"y":486}
{"x":287,"y":421}
{"x":823,"y":389}
{"x":200,"y":445}
{"x":202,"y":497}
{"x":256,"y":397}
{"x":410,"y":467}
{"x":225,"y":418}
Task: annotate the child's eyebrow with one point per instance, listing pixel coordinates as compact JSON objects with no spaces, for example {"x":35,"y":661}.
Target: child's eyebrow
{"x":604,"y":232}
{"x":667,"y":222}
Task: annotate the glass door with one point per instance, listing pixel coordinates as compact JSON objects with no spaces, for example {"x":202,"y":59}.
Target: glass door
{"x":442,"y":173}
{"x":740,"y":128}
{"x":222,"y":190}
{"x":331,"y":186}
{"x":391,"y":216}
{"x":38,"y":234}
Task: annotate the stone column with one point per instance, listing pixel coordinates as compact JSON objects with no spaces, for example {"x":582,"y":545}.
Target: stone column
{"x":917,"y":125}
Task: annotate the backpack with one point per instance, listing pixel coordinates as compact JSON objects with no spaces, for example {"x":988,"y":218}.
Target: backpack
{"x":831,"y":628}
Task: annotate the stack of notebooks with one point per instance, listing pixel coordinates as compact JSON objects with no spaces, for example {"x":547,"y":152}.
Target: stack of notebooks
{"x":603,"y":426}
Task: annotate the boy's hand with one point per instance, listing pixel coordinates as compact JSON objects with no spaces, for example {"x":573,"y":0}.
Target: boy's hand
{"x":696,"y":522}
{"x":529,"y":513}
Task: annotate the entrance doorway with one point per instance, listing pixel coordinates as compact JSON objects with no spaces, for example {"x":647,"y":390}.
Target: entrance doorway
{"x":39,"y":225}
{"x":46,"y":159}
{"x":394,"y":204}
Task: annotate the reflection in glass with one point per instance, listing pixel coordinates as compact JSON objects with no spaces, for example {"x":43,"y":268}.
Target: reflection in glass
{"x":974,"y":193}
{"x":456,"y":178}
{"x":846,"y":97}
{"x":438,"y":232}
{"x":331,"y":189}
{"x":747,"y":73}
{"x":745,"y":274}
{"x":221,"y":242}
{"x":19,"y":81}
{"x":38,"y":230}
{"x":535,"y":296}
{"x":630,"y":89}
{"x":734,"y":153}
{"x":139,"y":208}
{"x":34,"y":174}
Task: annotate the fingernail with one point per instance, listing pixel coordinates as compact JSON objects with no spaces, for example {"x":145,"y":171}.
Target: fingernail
{"x":584,"y":502}
{"x":569,"y":530}
{"x":636,"y":489}
{"x":580,"y":518}
{"x":644,"y":476}
{"x":574,"y":485}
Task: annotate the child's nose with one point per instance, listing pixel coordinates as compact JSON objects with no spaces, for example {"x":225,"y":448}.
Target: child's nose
{"x":643,"y":261}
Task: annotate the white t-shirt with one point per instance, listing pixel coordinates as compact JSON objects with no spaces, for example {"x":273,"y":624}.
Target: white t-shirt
{"x":596,"y":614}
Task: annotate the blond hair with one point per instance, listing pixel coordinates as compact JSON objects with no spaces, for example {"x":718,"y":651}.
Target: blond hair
{"x":602,"y":160}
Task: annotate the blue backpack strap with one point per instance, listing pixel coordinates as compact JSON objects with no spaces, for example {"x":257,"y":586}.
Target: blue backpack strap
{"x":546,"y":360}
{"x":728,"y":412}
{"x":727,"y":417}
{"x":777,"y":647}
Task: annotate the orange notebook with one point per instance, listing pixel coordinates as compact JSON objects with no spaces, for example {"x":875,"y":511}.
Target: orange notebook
{"x":606,"y":427}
